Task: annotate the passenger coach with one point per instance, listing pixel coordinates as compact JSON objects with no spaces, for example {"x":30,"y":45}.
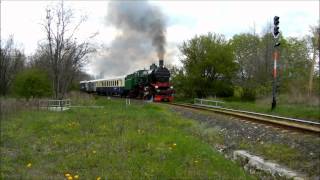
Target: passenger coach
{"x":110,"y":86}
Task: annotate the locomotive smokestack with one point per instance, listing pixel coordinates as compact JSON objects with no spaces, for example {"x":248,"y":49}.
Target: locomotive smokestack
{"x":161,"y":62}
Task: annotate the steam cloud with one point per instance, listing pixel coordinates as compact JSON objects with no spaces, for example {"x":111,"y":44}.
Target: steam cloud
{"x":142,"y":36}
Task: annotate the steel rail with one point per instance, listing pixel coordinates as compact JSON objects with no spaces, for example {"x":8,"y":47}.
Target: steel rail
{"x":299,"y":124}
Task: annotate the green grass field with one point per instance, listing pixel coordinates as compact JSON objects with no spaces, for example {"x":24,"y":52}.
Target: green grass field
{"x":301,"y":111}
{"x":287,"y":110}
{"x":115,"y":142}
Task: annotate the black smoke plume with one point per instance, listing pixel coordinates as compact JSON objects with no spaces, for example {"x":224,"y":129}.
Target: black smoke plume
{"x":141,"y":38}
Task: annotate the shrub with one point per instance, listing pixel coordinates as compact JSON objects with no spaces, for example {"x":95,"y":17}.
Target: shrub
{"x":32,"y":83}
{"x":248,"y":94}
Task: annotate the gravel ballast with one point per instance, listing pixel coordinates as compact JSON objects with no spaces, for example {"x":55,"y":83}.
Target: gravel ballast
{"x":302,"y":151}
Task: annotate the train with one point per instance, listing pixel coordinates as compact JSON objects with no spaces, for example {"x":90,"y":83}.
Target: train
{"x":153,"y":84}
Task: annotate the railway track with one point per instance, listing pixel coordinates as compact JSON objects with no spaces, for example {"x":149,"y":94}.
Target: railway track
{"x":291,"y":123}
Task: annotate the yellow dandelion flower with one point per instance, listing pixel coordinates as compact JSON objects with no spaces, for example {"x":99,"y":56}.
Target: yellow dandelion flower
{"x":67,"y":175}
{"x":29,"y":165}
{"x":76,"y":177}
{"x":98,"y":178}
{"x":69,"y":178}
{"x":174,"y":144}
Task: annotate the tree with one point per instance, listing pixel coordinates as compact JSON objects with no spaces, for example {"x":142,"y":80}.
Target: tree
{"x":64,"y":55}
{"x":247,"y":51}
{"x":209,"y":65}
{"x":294,"y":65}
{"x":32,"y":83}
{"x":245,"y":47}
{"x":11,"y":62}
{"x":314,"y":49}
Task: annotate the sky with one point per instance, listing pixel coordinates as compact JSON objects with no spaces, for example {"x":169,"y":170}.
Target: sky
{"x":184,"y":20}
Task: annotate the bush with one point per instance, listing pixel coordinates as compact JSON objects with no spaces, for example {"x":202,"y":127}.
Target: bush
{"x":248,"y":94}
{"x":32,"y":83}
{"x":223,"y":89}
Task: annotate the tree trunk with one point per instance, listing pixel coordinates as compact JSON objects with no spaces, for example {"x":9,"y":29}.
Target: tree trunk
{"x":310,"y":86}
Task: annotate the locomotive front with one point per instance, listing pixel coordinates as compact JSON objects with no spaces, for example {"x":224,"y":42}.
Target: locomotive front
{"x":160,"y":83}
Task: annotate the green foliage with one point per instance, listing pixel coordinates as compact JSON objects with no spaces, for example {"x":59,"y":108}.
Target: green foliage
{"x":32,"y":83}
{"x":294,"y":65}
{"x":248,"y":94}
{"x":12,"y":61}
{"x":245,"y":47}
{"x":209,"y":66}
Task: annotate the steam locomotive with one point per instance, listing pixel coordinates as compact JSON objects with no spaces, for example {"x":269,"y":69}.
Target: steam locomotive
{"x":143,"y":84}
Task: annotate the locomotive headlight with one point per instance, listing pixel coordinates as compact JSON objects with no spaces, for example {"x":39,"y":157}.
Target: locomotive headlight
{"x":156,"y":87}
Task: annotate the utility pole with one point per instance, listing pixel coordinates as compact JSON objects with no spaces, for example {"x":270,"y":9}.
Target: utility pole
{"x":275,"y":59}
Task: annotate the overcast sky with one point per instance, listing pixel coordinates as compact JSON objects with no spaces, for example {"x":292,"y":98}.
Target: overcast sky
{"x":184,"y":20}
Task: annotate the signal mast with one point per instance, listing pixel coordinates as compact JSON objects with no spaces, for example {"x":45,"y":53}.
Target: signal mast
{"x":276,"y":35}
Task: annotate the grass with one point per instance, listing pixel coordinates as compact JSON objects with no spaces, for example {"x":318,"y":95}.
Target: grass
{"x":302,"y":111}
{"x":287,"y":110}
{"x":280,"y":152}
{"x":114,"y":142}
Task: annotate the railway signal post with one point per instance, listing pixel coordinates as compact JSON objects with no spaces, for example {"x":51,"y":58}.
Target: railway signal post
{"x":276,"y":33}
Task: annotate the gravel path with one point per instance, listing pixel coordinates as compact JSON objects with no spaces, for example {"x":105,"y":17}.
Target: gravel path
{"x":236,"y":132}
